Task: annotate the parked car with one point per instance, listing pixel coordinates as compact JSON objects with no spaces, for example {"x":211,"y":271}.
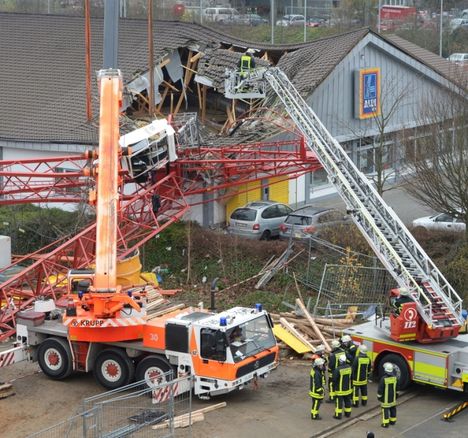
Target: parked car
{"x":291,"y":20}
{"x":458,"y":23}
{"x":311,"y":221}
{"x":439,"y":222}
{"x":251,"y":20}
{"x":220,"y":14}
{"x":459,"y":58}
{"x":259,"y":219}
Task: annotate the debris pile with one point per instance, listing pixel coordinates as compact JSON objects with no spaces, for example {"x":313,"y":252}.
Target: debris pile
{"x":298,"y":331}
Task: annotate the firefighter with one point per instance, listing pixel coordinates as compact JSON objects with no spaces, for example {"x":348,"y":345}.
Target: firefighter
{"x":335,"y":354}
{"x":246,"y":63}
{"x":361,"y":368}
{"x":316,"y":387}
{"x":403,"y":298}
{"x":349,"y":348}
{"x":342,"y":388}
{"x":387,"y":394}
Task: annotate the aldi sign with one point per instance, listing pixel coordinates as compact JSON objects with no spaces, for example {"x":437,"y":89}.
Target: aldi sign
{"x":367,"y":93}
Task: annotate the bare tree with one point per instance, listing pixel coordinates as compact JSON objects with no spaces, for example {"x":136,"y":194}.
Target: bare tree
{"x":437,"y":154}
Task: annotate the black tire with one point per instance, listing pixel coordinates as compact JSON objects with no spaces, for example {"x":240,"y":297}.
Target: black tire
{"x":401,"y":368}
{"x":55,"y":359}
{"x":151,"y":367}
{"x":113,"y":368}
{"x":266,"y":235}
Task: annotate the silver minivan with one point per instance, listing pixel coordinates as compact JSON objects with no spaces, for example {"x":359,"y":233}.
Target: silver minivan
{"x":220,"y":14}
{"x":258,"y":220}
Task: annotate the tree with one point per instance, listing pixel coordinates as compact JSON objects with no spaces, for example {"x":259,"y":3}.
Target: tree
{"x":437,"y":154}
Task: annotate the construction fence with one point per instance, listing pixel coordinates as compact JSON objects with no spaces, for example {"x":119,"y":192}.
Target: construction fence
{"x":135,"y":410}
{"x":361,"y":287}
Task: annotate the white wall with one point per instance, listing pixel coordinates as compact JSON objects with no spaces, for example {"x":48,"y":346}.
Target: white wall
{"x":5,"y":251}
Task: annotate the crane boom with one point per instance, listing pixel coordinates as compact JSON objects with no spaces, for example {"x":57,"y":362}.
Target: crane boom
{"x":107,"y":203}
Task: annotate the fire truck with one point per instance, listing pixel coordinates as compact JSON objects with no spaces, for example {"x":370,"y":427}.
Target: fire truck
{"x":421,"y":339}
{"x":393,"y":17}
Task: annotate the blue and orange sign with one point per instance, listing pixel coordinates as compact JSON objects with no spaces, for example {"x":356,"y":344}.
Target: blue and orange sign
{"x":369,"y":93}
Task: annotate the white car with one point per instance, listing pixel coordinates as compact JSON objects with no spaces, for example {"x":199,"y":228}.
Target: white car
{"x":439,"y":222}
{"x":291,"y":20}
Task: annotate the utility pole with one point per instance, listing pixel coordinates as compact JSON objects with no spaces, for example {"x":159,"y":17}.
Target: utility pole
{"x":305,"y":20}
{"x":378,"y":16}
{"x":440,"y":26}
{"x":272,"y":18}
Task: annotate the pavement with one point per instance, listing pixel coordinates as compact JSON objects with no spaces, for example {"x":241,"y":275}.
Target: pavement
{"x":405,"y":206}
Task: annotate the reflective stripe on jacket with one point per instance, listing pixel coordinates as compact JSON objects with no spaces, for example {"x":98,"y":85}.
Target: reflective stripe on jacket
{"x":333,"y":359}
{"x":361,"y":369}
{"x":316,"y":383}
{"x":387,"y":391}
{"x":245,"y":63}
{"x":342,"y":380}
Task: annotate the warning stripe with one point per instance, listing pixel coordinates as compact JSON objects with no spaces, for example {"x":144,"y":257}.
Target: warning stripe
{"x":7,"y":359}
{"x":163,"y":394}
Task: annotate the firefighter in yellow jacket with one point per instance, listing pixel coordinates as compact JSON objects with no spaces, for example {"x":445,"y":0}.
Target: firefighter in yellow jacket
{"x":342,"y":388}
{"x":316,"y":387}
{"x":361,"y":372}
{"x":387,"y":394}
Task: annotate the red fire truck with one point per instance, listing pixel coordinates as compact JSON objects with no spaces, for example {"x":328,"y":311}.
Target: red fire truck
{"x":393,"y":17}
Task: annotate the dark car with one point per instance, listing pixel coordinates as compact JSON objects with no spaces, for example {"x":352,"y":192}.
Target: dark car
{"x":252,"y":20}
{"x":309,"y":221}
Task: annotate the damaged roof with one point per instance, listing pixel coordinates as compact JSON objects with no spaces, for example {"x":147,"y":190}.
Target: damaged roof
{"x":43,"y":78}
{"x":322,"y":57}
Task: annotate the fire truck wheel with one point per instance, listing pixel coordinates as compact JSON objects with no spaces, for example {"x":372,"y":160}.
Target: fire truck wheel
{"x":55,"y":358}
{"x":152,"y":369}
{"x":401,"y":369}
{"x":113,"y":368}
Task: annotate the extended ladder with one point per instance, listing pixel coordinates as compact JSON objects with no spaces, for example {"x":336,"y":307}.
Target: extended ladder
{"x":437,"y":302}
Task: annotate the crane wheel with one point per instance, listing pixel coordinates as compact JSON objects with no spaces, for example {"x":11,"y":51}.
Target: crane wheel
{"x":401,"y":369}
{"x":151,"y":369}
{"x":113,"y":368}
{"x":55,"y":359}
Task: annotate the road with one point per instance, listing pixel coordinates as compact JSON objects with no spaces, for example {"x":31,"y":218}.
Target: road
{"x":279,"y":408}
{"x":406,"y":207}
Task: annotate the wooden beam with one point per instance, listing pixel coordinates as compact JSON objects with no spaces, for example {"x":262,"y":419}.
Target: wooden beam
{"x":167,"y":84}
{"x":196,"y":57}
{"x":298,"y":335}
{"x":312,"y":323}
{"x":163,"y":98}
{"x":164,"y":62}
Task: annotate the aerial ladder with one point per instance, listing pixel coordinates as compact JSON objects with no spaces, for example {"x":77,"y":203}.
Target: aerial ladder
{"x":436,"y":301}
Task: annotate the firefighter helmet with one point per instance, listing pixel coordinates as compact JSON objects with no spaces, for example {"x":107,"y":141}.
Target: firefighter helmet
{"x":335,"y":343}
{"x":320,"y":348}
{"x":363,"y":348}
{"x":346,"y":338}
{"x":404,"y":292}
{"x":319,"y":362}
{"x":388,"y":367}
{"x":342,"y":359}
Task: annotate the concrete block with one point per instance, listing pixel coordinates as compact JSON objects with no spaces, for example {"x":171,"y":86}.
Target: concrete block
{"x":5,"y":251}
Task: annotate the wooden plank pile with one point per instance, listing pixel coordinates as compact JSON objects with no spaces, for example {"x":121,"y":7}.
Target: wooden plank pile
{"x":6,"y":390}
{"x":186,"y":420}
{"x":304,"y":332}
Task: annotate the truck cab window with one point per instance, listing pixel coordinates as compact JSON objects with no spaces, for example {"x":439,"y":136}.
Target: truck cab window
{"x":213,"y":344}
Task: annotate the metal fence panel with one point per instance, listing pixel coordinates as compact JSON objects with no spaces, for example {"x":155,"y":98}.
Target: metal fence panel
{"x":135,"y":410}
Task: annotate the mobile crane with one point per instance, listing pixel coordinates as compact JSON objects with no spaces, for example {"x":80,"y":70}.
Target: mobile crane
{"x":102,"y":325}
{"x":420,"y":340}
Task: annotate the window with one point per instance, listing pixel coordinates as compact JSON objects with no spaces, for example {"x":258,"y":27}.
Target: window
{"x":270,"y":212}
{"x":250,"y":338}
{"x":444,"y":218}
{"x":284,"y":210}
{"x":244,"y":214}
{"x":213,"y":344}
{"x":293,"y":219}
